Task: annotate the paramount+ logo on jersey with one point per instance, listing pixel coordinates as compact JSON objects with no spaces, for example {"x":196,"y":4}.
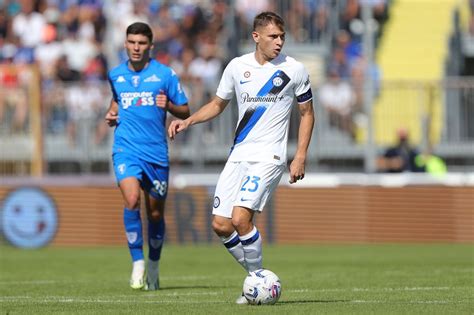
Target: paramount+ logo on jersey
{"x":137,"y":99}
{"x":246,"y":98}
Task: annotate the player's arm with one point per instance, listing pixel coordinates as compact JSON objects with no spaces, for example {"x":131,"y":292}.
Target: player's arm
{"x":297,"y":166}
{"x":205,"y":113}
{"x":181,"y":111}
{"x":112,"y":113}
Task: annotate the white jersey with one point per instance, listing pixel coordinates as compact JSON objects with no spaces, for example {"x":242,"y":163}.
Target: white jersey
{"x":265,"y":95}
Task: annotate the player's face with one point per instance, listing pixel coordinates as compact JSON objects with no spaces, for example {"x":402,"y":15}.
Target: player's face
{"x":270,"y":40}
{"x":138,"y":47}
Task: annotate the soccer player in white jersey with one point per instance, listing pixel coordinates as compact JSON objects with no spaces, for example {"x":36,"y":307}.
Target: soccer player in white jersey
{"x":265,"y":84}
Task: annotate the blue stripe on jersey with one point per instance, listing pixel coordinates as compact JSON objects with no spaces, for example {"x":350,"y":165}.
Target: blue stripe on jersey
{"x":253,"y":115}
{"x":257,"y":113}
{"x":269,"y":85}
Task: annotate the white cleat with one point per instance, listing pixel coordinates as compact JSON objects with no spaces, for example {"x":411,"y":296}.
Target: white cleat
{"x":138,"y":274}
{"x":241,"y":300}
{"x":137,"y":284}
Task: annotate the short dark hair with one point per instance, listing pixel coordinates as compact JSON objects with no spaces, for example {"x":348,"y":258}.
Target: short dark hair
{"x":140,"y":28}
{"x":267,"y":17}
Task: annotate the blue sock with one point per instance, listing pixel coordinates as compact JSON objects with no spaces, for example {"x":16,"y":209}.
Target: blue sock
{"x":156,"y":235}
{"x":133,"y":230}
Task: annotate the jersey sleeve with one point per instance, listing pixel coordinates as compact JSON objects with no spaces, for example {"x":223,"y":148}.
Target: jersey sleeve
{"x":112,"y":88}
{"x":303,"y":86}
{"x":174,"y":91}
{"x":225,"y":89}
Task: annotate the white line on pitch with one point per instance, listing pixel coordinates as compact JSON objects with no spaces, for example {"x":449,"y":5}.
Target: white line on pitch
{"x":134,"y":298}
{"x":64,"y":299}
{"x":373,"y":289}
{"x":186,"y":277}
{"x":53,"y":299}
{"x":40,"y":282}
{"x":177,"y":294}
{"x":403,"y":302}
{"x":13,"y":282}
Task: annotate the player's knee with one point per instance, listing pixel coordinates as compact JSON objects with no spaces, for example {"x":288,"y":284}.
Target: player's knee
{"x":132,"y":201}
{"x":154,"y":216}
{"x":242,"y":225}
{"x":222,"y":228}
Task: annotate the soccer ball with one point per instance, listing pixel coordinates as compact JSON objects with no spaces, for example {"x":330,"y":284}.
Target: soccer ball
{"x":262,"y":286}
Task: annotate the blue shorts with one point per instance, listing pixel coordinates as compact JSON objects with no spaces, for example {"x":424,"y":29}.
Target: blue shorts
{"x":153,"y":178}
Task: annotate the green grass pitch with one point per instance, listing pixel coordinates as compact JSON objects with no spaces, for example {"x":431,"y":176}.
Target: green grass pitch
{"x":325,"y":279}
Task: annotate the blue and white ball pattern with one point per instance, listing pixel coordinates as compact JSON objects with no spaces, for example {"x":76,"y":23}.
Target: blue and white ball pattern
{"x":262,"y":286}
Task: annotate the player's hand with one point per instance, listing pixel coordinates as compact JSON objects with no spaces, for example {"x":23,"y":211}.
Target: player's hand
{"x":162,"y":100}
{"x":111,"y":118}
{"x":297,"y":169}
{"x":176,"y":127}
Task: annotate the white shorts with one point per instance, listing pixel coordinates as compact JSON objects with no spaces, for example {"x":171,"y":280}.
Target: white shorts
{"x":245,"y":184}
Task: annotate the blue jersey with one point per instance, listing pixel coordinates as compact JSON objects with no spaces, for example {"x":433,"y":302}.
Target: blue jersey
{"x":140,"y":129}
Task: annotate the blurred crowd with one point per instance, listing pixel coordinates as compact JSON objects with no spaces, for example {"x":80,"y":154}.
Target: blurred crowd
{"x":75,"y":42}
{"x":348,"y":68}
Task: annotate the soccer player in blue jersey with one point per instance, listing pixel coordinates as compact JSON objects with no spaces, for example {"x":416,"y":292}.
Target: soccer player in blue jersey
{"x":143,"y":92}
{"x":265,"y":83}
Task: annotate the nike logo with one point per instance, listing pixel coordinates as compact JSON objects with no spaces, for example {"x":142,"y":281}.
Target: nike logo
{"x":244,"y":199}
{"x":243,"y":82}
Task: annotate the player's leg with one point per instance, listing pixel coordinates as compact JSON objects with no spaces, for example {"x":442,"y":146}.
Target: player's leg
{"x":130,"y":188}
{"x":156,"y":235}
{"x":222,"y":226}
{"x":224,"y":196}
{"x":250,"y":241}
{"x":259,"y":182}
{"x":242,"y":221}
{"x":155,"y":185}
{"x":230,"y":238}
{"x":128,"y":174}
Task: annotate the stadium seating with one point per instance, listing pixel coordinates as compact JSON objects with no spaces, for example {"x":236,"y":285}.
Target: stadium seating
{"x":414,"y":54}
